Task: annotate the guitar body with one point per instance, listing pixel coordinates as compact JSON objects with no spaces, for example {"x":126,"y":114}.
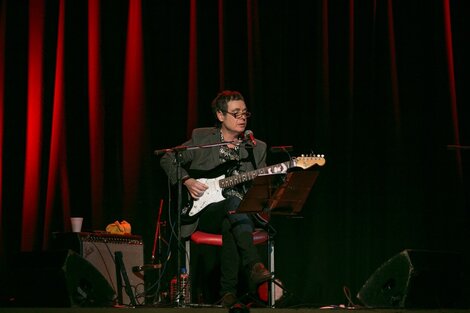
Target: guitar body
{"x":212,"y":195}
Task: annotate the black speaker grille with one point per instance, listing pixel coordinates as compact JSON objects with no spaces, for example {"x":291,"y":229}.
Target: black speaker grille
{"x":416,"y":279}
{"x":59,"y":278}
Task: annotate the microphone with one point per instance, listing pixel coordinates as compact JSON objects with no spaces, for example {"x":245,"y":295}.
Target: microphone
{"x":248,"y":135}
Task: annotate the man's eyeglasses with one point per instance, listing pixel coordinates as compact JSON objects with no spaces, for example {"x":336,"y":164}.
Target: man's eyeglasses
{"x":239,"y":115}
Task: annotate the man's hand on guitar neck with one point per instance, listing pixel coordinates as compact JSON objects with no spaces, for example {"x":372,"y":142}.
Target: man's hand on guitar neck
{"x":196,"y":189}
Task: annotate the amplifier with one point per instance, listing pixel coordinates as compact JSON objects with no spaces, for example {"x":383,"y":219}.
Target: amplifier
{"x":99,"y":249}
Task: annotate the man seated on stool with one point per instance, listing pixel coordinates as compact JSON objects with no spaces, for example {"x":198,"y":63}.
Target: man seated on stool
{"x":241,"y":155}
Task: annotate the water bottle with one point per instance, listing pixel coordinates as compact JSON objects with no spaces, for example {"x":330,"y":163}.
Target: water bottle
{"x":185,"y":288}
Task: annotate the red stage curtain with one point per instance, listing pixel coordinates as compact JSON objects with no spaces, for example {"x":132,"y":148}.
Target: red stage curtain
{"x":90,"y":89}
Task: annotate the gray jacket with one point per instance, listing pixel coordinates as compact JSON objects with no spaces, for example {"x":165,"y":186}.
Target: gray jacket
{"x":206,"y":159}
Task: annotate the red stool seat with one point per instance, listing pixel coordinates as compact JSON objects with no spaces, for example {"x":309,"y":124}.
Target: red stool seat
{"x":201,"y":238}
{"x":260,"y":236}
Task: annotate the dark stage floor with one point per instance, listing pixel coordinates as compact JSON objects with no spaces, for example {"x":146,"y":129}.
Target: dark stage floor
{"x":220,"y":310}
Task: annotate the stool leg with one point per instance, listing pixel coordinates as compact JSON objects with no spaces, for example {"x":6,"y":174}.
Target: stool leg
{"x":274,"y":285}
{"x":188,"y":257}
{"x":272,"y":296}
{"x":271,"y":286}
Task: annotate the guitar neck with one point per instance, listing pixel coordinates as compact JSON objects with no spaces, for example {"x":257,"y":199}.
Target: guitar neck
{"x":244,"y":177}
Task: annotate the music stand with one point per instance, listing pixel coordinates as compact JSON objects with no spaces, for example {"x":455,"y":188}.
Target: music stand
{"x":267,"y":195}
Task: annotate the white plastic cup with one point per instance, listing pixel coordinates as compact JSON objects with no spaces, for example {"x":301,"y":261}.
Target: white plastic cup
{"x":76,"y":224}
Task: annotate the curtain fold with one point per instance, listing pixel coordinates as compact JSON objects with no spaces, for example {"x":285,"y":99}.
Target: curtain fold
{"x":95,"y":113}
{"x":192,"y":114}
{"x":133,"y":128}
{"x":451,"y":81}
{"x":34,"y":133}
{"x":57,"y":194}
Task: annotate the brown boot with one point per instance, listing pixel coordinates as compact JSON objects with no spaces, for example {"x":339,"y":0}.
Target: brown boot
{"x":259,"y":274}
{"x":229,"y":299}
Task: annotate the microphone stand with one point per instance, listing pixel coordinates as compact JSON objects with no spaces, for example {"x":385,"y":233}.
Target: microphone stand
{"x":177,"y":151}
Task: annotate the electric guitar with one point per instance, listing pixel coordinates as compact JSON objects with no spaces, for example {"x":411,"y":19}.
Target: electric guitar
{"x":218,"y":182}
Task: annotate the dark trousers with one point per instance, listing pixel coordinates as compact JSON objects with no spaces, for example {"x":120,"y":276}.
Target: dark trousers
{"x":238,"y":250}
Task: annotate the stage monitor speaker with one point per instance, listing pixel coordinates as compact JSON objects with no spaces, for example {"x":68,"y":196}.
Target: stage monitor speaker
{"x":56,"y":279}
{"x":416,"y":279}
{"x":99,"y":249}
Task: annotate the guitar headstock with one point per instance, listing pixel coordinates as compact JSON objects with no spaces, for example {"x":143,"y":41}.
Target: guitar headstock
{"x":309,"y":161}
